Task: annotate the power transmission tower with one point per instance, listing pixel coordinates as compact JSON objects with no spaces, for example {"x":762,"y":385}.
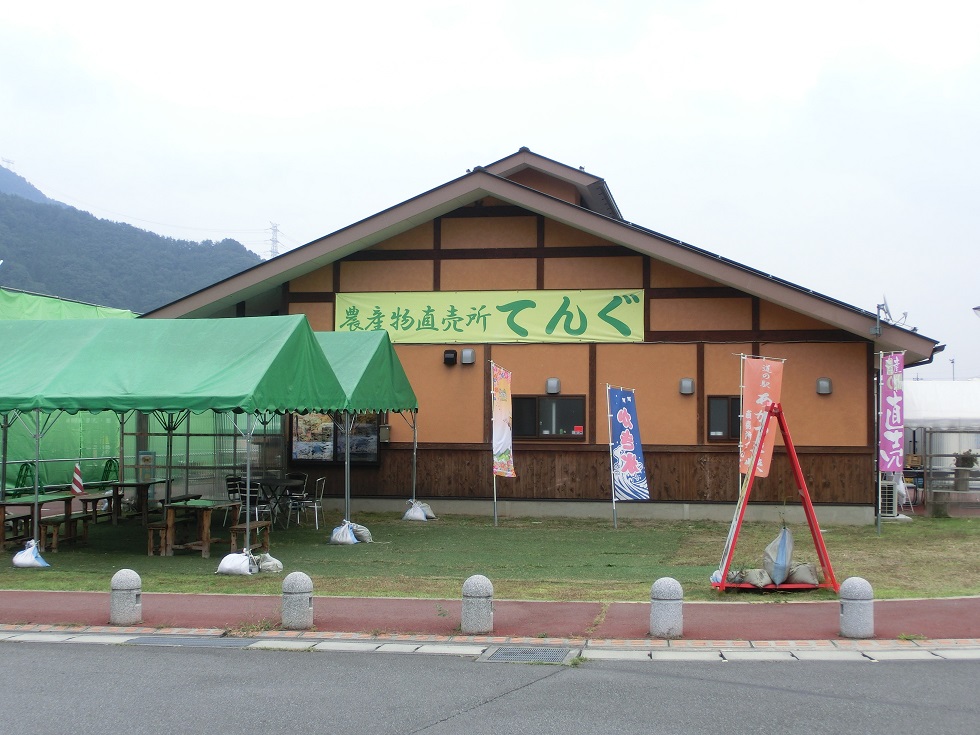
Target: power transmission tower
{"x":274,"y":249}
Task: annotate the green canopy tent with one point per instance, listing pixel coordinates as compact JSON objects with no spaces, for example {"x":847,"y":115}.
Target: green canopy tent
{"x":251,"y":367}
{"x":373,"y":379}
{"x":17,"y":304}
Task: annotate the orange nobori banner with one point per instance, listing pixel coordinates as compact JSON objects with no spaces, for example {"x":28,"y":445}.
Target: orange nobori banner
{"x":762,"y":381}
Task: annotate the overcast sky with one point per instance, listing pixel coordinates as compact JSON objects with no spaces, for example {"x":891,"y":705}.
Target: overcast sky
{"x":832,"y":144}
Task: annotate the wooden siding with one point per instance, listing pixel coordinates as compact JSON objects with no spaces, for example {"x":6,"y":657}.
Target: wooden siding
{"x":696,"y":474}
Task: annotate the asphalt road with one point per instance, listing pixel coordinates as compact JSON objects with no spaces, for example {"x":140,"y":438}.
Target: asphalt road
{"x":89,"y":689}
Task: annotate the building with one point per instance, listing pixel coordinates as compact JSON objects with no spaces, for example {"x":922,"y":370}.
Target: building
{"x":528,"y":263}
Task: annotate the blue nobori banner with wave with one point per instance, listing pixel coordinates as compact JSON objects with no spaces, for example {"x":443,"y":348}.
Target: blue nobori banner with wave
{"x":626,"y":451}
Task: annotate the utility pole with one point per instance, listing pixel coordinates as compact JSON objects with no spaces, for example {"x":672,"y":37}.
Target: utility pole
{"x":274,"y":249}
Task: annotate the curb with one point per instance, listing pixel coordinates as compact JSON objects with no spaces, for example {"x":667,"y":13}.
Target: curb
{"x":478,"y":646}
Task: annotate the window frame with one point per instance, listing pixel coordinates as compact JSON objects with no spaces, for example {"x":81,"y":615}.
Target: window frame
{"x":537,"y":436}
{"x":733,"y":419}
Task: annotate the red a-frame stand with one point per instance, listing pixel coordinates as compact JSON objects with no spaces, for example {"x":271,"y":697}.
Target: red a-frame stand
{"x":775,"y":409}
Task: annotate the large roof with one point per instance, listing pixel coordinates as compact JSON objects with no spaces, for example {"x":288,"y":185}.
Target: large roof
{"x":596,"y":213}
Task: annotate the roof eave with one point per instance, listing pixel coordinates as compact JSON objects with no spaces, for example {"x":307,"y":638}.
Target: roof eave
{"x":484,"y":182}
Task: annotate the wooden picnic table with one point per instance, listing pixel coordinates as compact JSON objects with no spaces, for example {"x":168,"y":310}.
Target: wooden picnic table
{"x":202,"y":509}
{"x":27,"y":501}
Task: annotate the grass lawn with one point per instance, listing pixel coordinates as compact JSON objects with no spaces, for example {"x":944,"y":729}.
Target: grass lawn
{"x":529,"y":559}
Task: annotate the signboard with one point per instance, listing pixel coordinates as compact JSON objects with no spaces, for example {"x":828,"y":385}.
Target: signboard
{"x":425,"y":317}
{"x":316,"y":438}
{"x":145,"y":465}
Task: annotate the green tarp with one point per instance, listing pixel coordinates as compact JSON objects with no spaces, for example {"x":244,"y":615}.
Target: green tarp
{"x":369,"y":371}
{"x":254,"y":365}
{"x":22,"y":305}
{"x":84,"y":435}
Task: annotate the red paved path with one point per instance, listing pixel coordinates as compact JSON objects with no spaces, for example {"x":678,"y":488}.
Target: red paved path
{"x":946,"y":618}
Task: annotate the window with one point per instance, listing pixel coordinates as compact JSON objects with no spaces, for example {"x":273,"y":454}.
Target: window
{"x":549,"y":417}
{"x":724,"y":421}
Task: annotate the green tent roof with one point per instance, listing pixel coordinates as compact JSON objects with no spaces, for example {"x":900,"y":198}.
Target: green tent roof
{"x":369,"y":370}
{"x":16,"y":304}
{"x":253,"y":365}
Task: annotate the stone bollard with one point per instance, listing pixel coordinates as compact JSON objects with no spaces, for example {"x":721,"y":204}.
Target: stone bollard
{"x":125,"y":603}
{"x":297,"y":602}
{"x":666,"y":609}
{"x":857,"y":618}
{"x":477,"y":616}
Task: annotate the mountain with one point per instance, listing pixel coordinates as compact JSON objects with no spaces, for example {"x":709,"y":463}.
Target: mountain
{"x":50,"y":248}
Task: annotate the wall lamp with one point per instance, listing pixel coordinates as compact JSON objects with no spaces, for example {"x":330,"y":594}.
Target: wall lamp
{"x":552,"y":386}
{"x":467,"y":356}
{"x":449,"y":357}
{"x":825,"y":386}
{"x":686,"y":387}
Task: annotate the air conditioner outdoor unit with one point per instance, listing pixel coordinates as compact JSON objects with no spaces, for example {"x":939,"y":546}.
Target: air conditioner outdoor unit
{"x":888,"y":501}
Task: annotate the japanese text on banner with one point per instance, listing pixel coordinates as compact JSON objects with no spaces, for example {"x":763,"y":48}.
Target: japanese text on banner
{"x":629,"y":470}
{"x":763,"y":381}
{"x":891,"y":425}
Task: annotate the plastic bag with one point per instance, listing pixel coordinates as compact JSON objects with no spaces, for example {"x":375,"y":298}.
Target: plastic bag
{"x":778,"y":556}
{"x":268,"y":563}
{"x":414,"y":513}
{"x":429,"y":515}
{"x":343,"y":534}
{"x":361,"y":533}
{"x":239,"y":562}
{"x":29,"y":556}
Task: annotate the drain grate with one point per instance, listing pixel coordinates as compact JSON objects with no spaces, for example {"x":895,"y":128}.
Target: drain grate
{"x":531,"y":654}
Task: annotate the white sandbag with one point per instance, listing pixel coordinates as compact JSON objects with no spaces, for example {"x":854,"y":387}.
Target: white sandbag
{"x":361,"y":533}
{"x":343,"y":534}
{"x":429,"y":515}
{"x":240,"y":562}
{"x":29,"y":557}
{"x":414,"y":513}
{"x":804,"y":574}
{"x":756,"y":577}
{"x":268,"y":563}
{"x":778,"y":556}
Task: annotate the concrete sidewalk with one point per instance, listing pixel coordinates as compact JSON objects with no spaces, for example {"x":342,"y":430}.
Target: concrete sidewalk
{"x":717,"y":624}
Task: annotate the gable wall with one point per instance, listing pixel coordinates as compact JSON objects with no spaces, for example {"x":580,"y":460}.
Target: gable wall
{"x":696,"y":328}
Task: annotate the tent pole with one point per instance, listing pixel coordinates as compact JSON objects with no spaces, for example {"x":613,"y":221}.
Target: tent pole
{"x":3,"y":463}
{"x":37,"y":473}
{"x":415,"y":451}
{"x":348,"y":427}
{"x":250,"y":426}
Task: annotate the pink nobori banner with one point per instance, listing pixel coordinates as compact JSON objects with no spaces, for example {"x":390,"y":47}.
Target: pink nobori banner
{"x":891,"y":414}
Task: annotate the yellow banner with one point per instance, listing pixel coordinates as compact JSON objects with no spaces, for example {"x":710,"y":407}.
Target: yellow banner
{"x":423,"y":317}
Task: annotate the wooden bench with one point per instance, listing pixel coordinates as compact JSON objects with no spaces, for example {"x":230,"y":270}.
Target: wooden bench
{"x":20,"y":524}
{"x":260,"y":530}
{"x":156,"y":538}
{"x":50,"y":529}
{"x":17,"y":528}
{"x":91,"y":505}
